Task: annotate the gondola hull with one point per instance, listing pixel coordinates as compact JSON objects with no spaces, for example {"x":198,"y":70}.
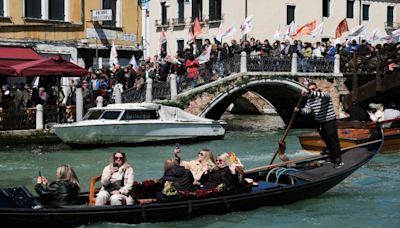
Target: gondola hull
{"x":307,"y":182}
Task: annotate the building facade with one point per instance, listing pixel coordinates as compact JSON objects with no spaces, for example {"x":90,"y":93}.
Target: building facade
{"x":65,"y":27}
{"x":175,"y":17}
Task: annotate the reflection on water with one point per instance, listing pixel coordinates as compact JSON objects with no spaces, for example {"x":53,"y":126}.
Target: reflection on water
{"x":368,"y":198}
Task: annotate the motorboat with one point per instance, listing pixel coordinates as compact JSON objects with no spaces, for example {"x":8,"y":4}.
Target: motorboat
{"x":137,"y":123}
{"x":276,"y":184}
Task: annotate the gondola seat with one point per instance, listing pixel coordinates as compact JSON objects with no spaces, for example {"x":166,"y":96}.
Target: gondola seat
{"x":93,"y":189}
{"x":263,"y":185}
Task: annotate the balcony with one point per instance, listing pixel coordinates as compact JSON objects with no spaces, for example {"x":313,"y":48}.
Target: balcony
{"x":392,"y":25}
{"x":215,"y":18}
{"x":178,"y":21}
{"x":161,"y":24}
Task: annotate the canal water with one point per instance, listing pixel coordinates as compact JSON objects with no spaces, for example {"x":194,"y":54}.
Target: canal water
{"x":368,"y":198}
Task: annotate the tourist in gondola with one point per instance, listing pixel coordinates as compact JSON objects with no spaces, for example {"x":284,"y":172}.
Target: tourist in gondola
{"x":181,"y":178}
{"x":223,"y":176}
{"x":61,"y":192}
{"x":204,"y":162}
{"x":117,"y":181}
{"x":320,"y":104}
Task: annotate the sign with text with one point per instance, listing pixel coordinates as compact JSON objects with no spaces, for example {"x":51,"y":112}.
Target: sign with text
{"x":102,"y":15}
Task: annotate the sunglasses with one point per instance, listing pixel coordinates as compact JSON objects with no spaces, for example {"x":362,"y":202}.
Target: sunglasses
{"x":118,"y":158}
{"x":219,"y":160}
{"x":201,"y":154}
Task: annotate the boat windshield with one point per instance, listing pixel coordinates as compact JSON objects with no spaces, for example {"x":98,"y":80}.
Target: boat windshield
{"x":140,"y":115}
{"x":93,"y":115}
{"x":110,"y":115}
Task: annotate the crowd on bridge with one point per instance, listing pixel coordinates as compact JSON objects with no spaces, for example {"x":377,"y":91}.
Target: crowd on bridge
{"x":191,"y":71}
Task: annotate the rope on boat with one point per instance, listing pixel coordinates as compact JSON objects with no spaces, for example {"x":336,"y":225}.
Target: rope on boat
{"x":272,"y":170}
{"x":282,"y":171}
{"x":227,"y":205}
{"x":143,"y":213}
{"x":190,"y":209}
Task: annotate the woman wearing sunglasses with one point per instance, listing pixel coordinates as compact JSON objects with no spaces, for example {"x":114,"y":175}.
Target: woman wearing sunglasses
{"x":117,"y":181}
{"x":204,"y":162}
{"x":224,"y":176}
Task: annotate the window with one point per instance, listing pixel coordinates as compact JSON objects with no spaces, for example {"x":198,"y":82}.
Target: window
{"x":33,"y":9}
{"x":197,"y":9}
{"x":110,"y":115}
{"x":163,"y":13}
{"x":139,"y":115}
{"x":180,"y":44}
{"x":215,"y":10}
{"x":326,"y":8}
{"x":56,"y":10}
{"x":164,"y":46}
{"x":365,"y":12}
{"x":290,"y":10}
{"x":181,"y":11}
{"x":1,"y":8}
{"x":110,"y":4}
{"x":350,"y":9}
{"x":389,"y":19}
{"x":93,"y":115}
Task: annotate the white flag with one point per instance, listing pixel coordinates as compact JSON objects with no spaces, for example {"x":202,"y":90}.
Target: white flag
{"x":133,"y":62}
{"x":396,"y":32}
{"x":357,"y":31}
{"x":374,"y":36}
{"x":205,"y":56}
{"x":277,"y":34}
{"x":113,"y":55}
{"x":219,"y":33}
{"x":318,"y":30}
{"x":247,"y":25}
{"x":291,"y":30}
{"x":227,"y":33}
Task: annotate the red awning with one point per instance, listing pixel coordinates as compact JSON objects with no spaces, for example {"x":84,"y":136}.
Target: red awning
{"x":7,"y":70}
{"x":54,"y":65}
{"x":14,"y":55}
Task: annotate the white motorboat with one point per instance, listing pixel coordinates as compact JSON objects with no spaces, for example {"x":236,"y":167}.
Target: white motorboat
{"x":137,"y":123}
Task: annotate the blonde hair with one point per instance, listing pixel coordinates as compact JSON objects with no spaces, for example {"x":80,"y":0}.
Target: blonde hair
{"x":226,"y":158}
{"x":67,"y":173}
{"x":170,"y":163}
{"x":208,"y":157}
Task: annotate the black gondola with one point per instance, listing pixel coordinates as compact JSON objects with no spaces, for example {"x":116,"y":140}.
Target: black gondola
{"x":301,"y":179}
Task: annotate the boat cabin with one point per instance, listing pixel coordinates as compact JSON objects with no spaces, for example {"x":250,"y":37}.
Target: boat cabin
{"x":124,"y":112}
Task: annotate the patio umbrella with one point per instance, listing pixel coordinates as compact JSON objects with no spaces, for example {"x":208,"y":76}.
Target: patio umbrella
{"x":7,"y":70}
{"x":54,"y":65}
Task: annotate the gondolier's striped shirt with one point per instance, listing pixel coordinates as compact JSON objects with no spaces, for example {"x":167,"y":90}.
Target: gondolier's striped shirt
{"x":320,"y":104}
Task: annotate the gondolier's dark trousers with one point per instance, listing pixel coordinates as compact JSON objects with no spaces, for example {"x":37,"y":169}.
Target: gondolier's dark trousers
{"x":328,"y":132}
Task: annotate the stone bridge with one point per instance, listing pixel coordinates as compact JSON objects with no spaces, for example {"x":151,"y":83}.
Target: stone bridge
{"x":281,"y":89}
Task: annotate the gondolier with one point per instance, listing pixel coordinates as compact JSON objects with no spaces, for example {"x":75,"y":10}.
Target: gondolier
{"x":320,"y":104}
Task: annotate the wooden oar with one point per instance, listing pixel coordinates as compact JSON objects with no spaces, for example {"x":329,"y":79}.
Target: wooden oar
{"x":309,"y":158}
{"x":281,"y":148}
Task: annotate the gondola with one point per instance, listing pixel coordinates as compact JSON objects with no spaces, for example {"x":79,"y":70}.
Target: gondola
{"x":277,"y":184}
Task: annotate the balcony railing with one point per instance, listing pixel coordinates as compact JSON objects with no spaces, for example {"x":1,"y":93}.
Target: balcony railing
{"x":178,"y":21}
{"x":160,"y":23}
{"x":392,"y":25}
{"x":215,"y":18}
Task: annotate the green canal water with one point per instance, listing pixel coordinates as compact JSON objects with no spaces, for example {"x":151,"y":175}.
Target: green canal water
{"x":368,"y":198}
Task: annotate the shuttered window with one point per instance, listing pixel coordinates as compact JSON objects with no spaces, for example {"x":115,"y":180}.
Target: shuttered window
{"x":56,"y":10}
{"x":33,"y":8}
{"x":365,"y":11}
{"x":290,"y":10}
{"x":110,"y":4}
{"x":1,"y":8}
{"x":197,"y":9}
{"x":163,"y":14}
{"x":350,"y":9}
{"x":389,"y":19}
{"x":181,"y":11}
{"x":215,"y":10}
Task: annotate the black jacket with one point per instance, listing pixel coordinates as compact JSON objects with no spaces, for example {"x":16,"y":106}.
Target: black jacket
{"x":219,"y":176}
{"x":181,"y":177}
{"x":58,"y":193}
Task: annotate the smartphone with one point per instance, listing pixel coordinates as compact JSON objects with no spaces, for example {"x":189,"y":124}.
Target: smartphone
{"x":177,"y":146}
{"x":40,"y":173}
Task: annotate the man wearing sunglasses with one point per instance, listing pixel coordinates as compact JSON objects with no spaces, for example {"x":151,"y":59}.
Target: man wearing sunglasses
{"x":320,"y":104}
{"x":117,"y":180}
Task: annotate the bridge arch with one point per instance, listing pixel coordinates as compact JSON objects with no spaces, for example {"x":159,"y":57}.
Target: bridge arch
{"x":282,"y":93}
